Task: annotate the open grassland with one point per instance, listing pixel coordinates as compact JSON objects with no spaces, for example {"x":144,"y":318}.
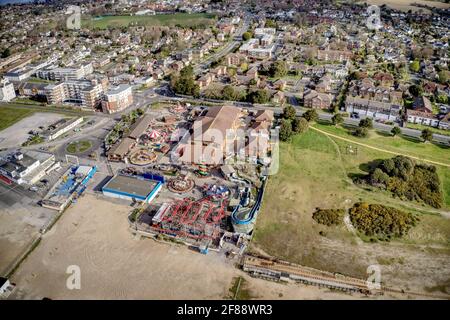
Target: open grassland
{"x":401,"y":145}
{"x":182,"y":19}
{"x":315,"y":171}
{"x":406,"y":5}
{"x":11,"y":115}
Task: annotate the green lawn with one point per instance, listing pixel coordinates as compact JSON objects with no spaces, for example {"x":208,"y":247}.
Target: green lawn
{"x":398,"y":144}
{"x":11,"y":115}
{"x":315,"y":171}
{"x":183,"y":19}
{"x":79,"y":146}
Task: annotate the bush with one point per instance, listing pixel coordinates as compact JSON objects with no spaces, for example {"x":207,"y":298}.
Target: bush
{"x":381,"y":221}
{"x":311,"y":115}
{"x":300,"y":125}
{"x":289,"y":112}
{"x":328,"y":217}
{"x":361,"y":132}
{"x":426,"y":135}
{"x":285,"y":130}
{"x":407,"y":180}
{"x":396,"y":131}
{"x":366,"y":123}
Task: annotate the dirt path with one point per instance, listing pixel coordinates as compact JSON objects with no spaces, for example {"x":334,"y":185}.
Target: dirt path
{"x":379,"y":149}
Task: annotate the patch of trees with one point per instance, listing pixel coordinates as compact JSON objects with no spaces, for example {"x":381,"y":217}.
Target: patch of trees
{"x":291,"y":124}
{"x":328,"y":217}
{"x":278,"y":69}
{"x":407,"y":180}
{"x":381,"y":222}
{"x":184,"y":82}
{"x":232,"y":93}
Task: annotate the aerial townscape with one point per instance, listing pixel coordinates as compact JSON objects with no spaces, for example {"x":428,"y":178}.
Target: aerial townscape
{"x":225,"y":149}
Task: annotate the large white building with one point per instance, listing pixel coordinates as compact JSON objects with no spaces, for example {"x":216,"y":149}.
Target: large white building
{"x":7,"y":92}
{"x":61,"y":127}
{"x":26,"y":168}
{"x":86,"y":93}
{"x":117,"y":99}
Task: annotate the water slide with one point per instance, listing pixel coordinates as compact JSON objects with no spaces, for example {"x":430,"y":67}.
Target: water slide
{"x":249,"y":218}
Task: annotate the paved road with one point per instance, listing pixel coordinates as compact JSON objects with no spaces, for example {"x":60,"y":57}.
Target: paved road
{"x":199,"y":68}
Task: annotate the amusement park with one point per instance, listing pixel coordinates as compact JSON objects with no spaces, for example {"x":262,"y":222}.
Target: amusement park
{"x":208,"y":206}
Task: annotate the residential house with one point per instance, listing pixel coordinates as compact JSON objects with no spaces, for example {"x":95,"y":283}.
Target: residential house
{"x":317,"y":100}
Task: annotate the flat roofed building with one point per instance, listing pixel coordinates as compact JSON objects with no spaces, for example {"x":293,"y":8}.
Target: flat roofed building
{"x":132,"y":188}
{"x":26,"y":168}
{"x":61,"y":74}
{"x":61,"y":127}
{"x":87,"y":93}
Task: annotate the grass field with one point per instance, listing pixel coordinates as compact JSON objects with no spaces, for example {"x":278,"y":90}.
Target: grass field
{"x":11,"y":115}
{"x":182,"y":19}
{"x":315,"y":172}
{"x":405,"y":5}
{"x":397,"y":144}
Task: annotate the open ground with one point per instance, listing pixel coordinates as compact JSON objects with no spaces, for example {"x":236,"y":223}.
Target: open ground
{"x":17,"y":133}
{"x":183,"y":19}
{"x":315,"y":172}
{"x":21,"y":220}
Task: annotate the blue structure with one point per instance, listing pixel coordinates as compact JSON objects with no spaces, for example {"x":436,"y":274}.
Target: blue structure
{"x":134,"y":188}
{"x":243,"y":220}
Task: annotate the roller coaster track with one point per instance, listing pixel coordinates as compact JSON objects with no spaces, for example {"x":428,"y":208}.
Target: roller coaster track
{"x":267,"y":268}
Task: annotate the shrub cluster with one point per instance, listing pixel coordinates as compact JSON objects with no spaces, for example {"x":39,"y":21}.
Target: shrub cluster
{"x":408,"y":180}
{"x":328,"y":217}
{"x":381,"y":221}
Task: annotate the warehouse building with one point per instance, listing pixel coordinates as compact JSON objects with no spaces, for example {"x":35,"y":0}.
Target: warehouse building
{"x":133,"y":188}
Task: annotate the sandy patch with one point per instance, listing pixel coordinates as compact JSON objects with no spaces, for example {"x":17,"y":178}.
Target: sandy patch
{"x":114,"y":265}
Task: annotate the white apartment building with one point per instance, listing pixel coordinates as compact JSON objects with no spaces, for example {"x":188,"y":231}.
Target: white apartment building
{"x":61,"y":74}
{"x":87,"y":93}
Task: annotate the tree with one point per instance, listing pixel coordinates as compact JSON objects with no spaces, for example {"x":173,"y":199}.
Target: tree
{"x":337,"y":119}
{"x":230,"y":93}
{"x":310,"y":115}
{"x":278,"y":69}
{"x":366,"y":123}
{"x":285,"y":130}
{"x":259,"y":96}
{"x":270,"y":24}
{"x":415,"y":90}
{"x":300,"y":125}
{"x":289,"y":112}
{"x":444,"y":76}
{"x":426,"y":135}
{"x":6,"y":53}
{"x":246,"y":36}
{"x":415,"y":66}
{"x":396,"y":131}
{"x":185,"y":83}
{"x":361,"y":132}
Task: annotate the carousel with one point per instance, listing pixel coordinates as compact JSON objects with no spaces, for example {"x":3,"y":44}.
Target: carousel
{"x":181,"y":184}
{"x":142,"y":157}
